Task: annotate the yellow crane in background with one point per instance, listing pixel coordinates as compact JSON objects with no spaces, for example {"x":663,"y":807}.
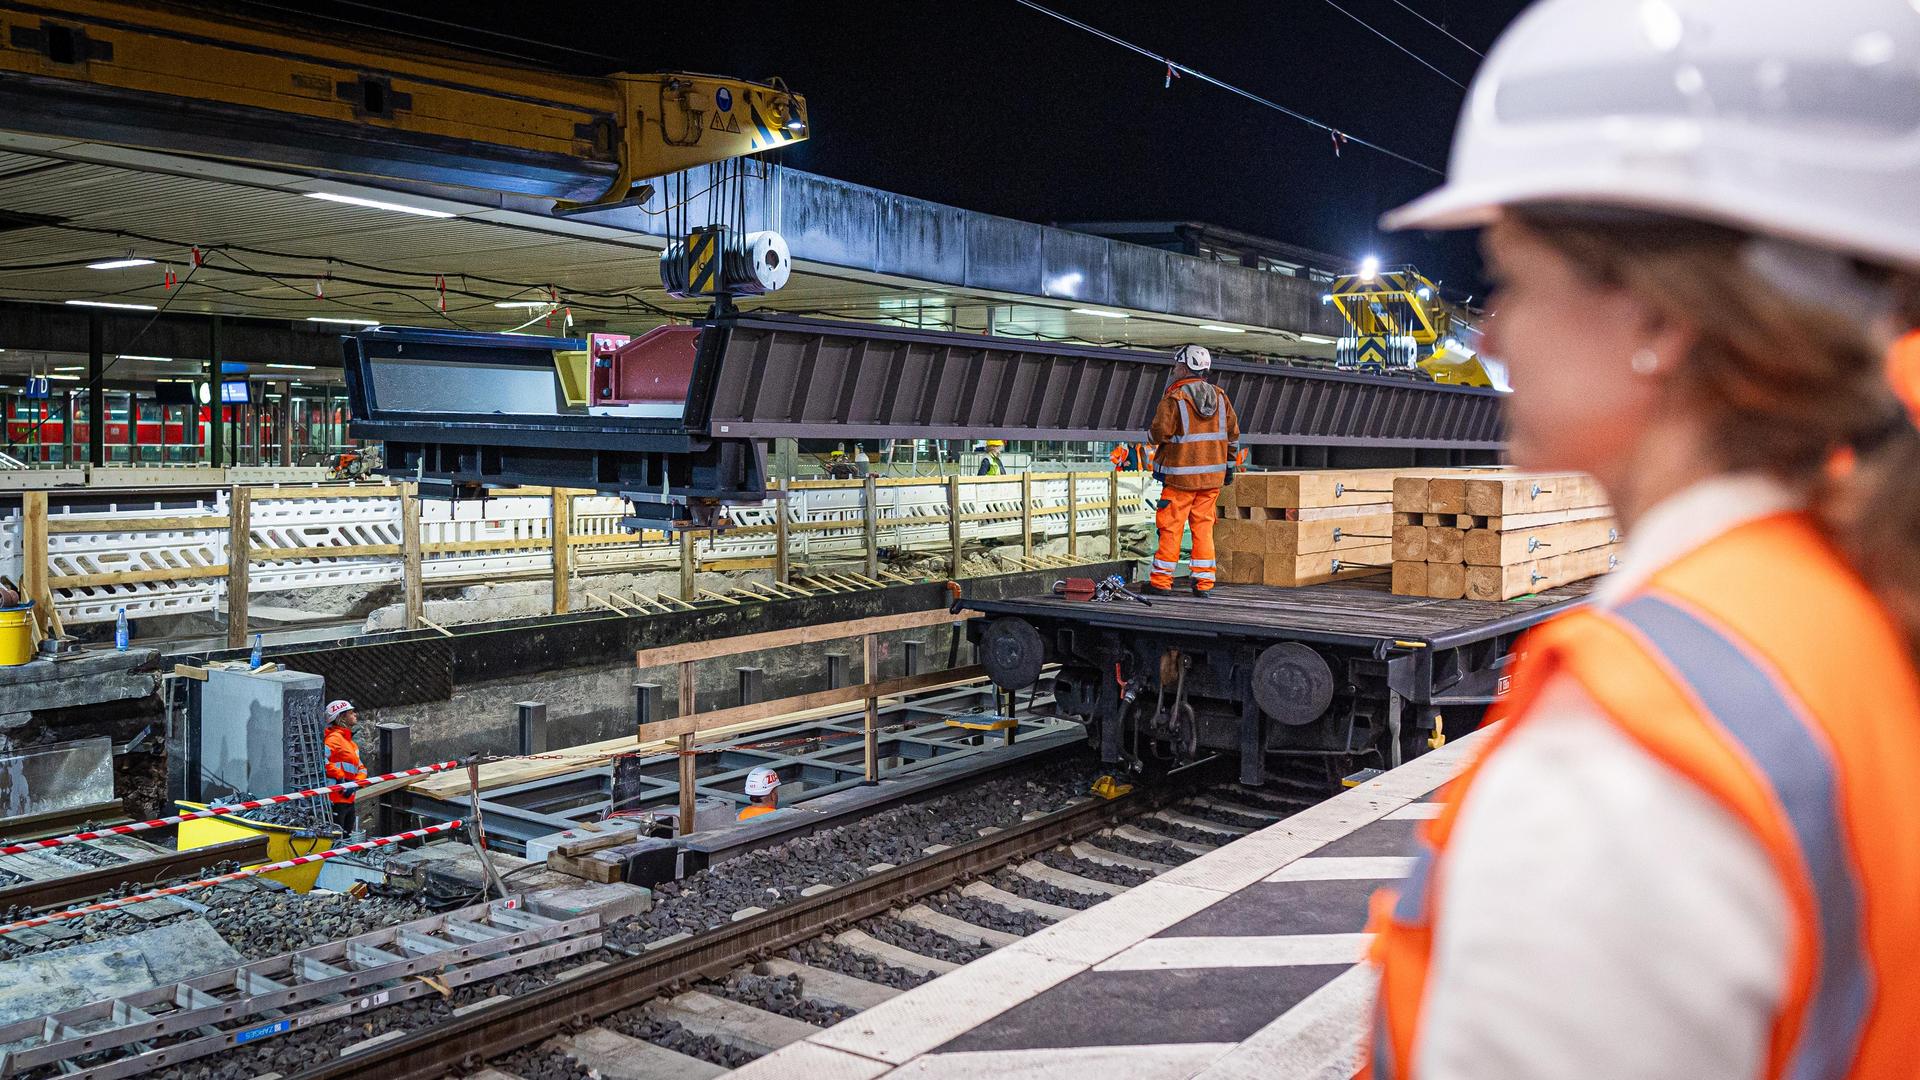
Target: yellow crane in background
{"x":1399,"y":323}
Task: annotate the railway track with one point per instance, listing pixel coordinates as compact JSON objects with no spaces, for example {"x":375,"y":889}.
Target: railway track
{"x":540,"y":1000}
{"x":690,"y":989}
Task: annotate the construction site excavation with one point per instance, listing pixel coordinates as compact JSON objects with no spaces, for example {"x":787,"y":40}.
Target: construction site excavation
{"x":517,"y":564}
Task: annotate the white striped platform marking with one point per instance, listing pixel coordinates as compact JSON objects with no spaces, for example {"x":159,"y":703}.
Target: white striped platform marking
{"x":1344,"y":868}
{"x":1419,"y":811}
{"x":1162,"y":953}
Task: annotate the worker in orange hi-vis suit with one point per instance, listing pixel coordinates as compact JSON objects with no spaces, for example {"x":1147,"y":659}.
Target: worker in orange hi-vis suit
{"x":343,"y":761}
{"x":1196,"y":438}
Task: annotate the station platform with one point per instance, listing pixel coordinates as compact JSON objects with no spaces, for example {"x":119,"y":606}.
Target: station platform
{"x":1243,"y":963}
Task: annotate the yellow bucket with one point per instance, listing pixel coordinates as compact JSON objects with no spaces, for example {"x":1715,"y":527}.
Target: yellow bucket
{"x":16,"y":635}
{"x":283,"y":843}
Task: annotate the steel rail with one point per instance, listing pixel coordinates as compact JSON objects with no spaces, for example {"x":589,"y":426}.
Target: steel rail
{"x":87,"y":884}
{"x":471,"y":1040}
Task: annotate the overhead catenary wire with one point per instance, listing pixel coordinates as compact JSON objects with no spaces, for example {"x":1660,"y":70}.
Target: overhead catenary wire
{"x":1423,"y":61}
{"x":1438,"y":27}
{"x":1183,"y":69}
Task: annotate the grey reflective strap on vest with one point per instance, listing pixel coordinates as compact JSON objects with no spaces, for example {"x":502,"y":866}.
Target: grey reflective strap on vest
{"x":1186,"y":429}
{"x":1384,"y":1067}
{"x":1410,"y":902}
{"x":1192,"y":470}
{"x":1778,"y":735}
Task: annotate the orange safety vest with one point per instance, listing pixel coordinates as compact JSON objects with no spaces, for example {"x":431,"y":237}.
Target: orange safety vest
{"x":1194,"y":447}
{"x":754,"y":811}
{"x":1761,"y":669}
{"x":343,"y":762}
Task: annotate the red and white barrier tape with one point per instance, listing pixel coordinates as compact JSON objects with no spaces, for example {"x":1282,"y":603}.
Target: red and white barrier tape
{"x":252,"y":871}
{"x":216,"y":811}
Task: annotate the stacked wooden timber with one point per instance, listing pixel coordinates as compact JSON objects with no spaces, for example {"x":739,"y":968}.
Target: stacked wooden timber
{"x":1498,"y":536}
{"x":1299,"y":528}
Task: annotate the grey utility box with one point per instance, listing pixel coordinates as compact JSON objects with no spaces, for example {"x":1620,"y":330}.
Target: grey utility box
{"x":260,"y":732}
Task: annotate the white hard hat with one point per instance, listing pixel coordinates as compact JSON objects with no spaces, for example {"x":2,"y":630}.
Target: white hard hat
{"x":762,"y":780}
{"x":1196,"y":357}
{"x":336,"y":708}
{"x":1795,"y":120}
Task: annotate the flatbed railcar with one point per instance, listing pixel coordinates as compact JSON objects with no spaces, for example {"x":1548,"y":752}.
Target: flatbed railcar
{"x":1343,"y":671}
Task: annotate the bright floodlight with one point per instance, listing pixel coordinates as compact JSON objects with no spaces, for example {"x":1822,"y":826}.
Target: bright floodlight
{"x":1369,"y":266}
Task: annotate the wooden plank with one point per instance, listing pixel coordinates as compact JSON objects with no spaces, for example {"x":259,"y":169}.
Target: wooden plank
{"x":781,"y":549}
{"x":1410,"y":578}
{"x":1334,"y":513}
{"x":687,"y":772}
{"x":1512,"y":522}
{"x":65,"y":525}
{"x":1302,"y":537}
{"x":953,"y":529}
{"x":1447,"y":495}
{"x":1507,"y":582}
{"x":134,"y":577}
{"x":1026,"y":515}
{"x":1403,"y":518}
{"x":36,"y":581}
{"x":798,"y":635}
{"x":239,"y":543}
{"x":689,"y":565}
{"x":870,"y":721}
{"x":411,"y":584}
{"x":1328,"y":487}
{"x":844,"y":695}
{"x":1256,"y":568}
{"x":344,"y":491}
{"x":1446,"y":545}
{"x":1409,"y":543}
{"x":1073,"y":516}
{"x":561,"y":515}
{"x":870,"y":522}
{"x":1437,"y":521}
{"x":1532,"y":493}
{"x":1410,"y":494}
{"x":1446,"y":581}
{"x":1113,"y":514}
{"x":343,"y":551}
{"x":1485,"y":547}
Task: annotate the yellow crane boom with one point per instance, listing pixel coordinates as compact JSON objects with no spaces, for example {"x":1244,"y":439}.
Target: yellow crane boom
{"x":153,"y":77}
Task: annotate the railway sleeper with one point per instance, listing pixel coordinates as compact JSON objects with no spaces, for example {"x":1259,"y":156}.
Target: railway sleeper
{"x":892,"y":955}
{"x":1147,"y":836}
{"x":1175,"y":817}
{"x":1102,"y":857}
{"x":980,"y":890}
{"x":614,"y":1056}
{"x":1061,"y":879}
{"x":958,"y":929}
{"x":756,"y":1031}
{"x":833,"y":988}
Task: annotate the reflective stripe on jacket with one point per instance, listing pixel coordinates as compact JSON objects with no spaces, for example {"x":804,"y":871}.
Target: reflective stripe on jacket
{"x":1795,"y":706}
{"x":343,"y":762}
{"x":1196,"y":435}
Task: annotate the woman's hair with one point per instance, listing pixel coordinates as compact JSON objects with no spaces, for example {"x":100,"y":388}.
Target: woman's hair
{"x":1793,"y":389}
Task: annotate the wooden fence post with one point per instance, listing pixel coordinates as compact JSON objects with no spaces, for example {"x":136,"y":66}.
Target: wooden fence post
{"x":782,"y":560}
{"x":1026,"y":515}
{"x":239,"y":554}
{"x":688,"y":776}
{"x":870,"y":498}
{"x":871,"y":728}
{"x":688,"y":565}
{"x":1073,"y":514}
{"x":1113,"y":514}
{"x":561,"y":508}
{"x":953,"y":524}
{"x":410,"y":553}
{"x":35,"y":572}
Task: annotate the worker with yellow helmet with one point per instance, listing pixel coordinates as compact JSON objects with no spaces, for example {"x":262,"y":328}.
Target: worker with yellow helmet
{"x":990,"y":465}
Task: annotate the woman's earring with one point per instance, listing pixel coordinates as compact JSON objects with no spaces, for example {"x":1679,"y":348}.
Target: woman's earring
{"x":1645,"y":362}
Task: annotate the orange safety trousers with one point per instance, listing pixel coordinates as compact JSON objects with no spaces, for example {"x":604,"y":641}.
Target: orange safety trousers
{"x":1794,"y":707}
{"x":1179,"y":510}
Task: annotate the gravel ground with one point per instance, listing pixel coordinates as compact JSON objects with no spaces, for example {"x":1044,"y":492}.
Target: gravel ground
{"x":1118,"y":875}
{"x":822,"y":953}
{"x":1224,"y":817}
{"x":781,"y":994}
{"x":536,"y":1063}
{"x":1188,"y":833}
{"x":644,"y":1025}
{"x":1160,"y":853}
{"x":774,"y":875}
{"x":981,"y":913}
{"x":923,"y":941}
{"x":86,"y":855}
{"x":1022,"y":885}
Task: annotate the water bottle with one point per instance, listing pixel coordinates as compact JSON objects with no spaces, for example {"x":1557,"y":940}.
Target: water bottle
{"x":256,"y":651}
{"x":120,"y":637}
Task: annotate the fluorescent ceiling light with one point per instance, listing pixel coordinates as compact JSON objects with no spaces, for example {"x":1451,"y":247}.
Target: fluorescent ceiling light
{"x":1218,"y":329}
{"x":344,"y":322}
{"x":69,"y":369}
{"x":64,"y":378}
{"x":294,"y":367}
{"x":1101,"y":314}
{"x":1316,"y":339}
{"x":528,"y":304}
{"x":155,"y":359}
{"x":119,"y":264}
{"x":108,"y":303}
{"x":376,"y":204}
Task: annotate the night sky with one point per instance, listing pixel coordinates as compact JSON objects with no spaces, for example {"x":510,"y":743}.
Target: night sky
{"x":987,"y":105}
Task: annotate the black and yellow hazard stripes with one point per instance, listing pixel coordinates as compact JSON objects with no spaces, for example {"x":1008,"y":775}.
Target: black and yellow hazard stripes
{"x":703,"y":260}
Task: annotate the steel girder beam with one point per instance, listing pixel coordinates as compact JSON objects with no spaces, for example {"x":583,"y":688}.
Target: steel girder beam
{"x":486,"y":410}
